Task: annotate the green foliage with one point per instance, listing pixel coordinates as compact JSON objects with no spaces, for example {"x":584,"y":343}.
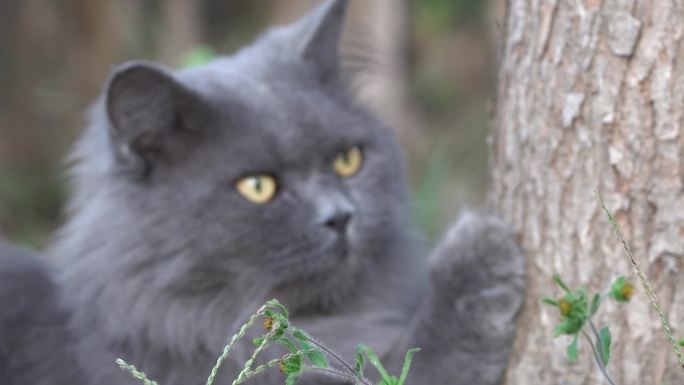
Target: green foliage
{"x":605,"y":340}
{"x":576,"y":314}
{"x":426,"y":192}
{"x":29,"y":203}
{"x":198,"y":56}
{"x":360,"y":362}
{"x":316,"y":356}
{"x":443,"y":13}
{"x":621,"y":290}
{"x":572,"y":349}
{"x":574,"y":309}
{"x":386,"y":378}
{"x":595,"y":303}
{"x":304,"y":353}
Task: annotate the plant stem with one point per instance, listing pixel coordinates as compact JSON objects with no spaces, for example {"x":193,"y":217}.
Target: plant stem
{"x":598,"y":340}
{"x":135,"y":372}
{"x":340,"y":360}
{"x":644,"y":282}
{"x":248,"y":365}
{"x":259,"y":369}
{"x":234,"y":339}
{"x":599,"y":360}
{"x":336,"y":373}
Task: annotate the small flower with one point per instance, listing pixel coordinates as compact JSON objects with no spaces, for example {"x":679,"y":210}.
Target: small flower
{"x":621,"y":290}
{"x":573,"y":306}
{"x":565,"y":307}
{"x":627,"y":291}
{"x":268,"y":323}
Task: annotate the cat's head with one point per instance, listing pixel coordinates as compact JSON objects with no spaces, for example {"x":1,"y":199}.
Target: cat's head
{"x":260,"y":163}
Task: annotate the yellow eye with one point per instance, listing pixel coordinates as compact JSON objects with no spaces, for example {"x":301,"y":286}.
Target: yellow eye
{"x":348,"y":162}
{"x":258,"y":189}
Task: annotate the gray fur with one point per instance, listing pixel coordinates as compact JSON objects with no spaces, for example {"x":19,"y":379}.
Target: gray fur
{"x":36,"y":346}
{"x":161,"y":259}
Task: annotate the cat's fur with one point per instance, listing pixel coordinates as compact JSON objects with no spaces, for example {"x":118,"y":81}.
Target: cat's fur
{"x":161,"y":259}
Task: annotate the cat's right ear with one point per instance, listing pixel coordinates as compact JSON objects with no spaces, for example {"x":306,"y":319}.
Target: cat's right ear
{"x":320,"y":39}
{"x":151,"y":115}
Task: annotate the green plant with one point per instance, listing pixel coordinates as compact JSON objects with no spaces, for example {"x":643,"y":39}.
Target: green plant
{"x":577,"y":311}
{"x":576,"y":315}
{"x":306,"y":354}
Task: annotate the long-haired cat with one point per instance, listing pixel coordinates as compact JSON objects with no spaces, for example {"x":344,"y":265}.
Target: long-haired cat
{"x":200,"y":194}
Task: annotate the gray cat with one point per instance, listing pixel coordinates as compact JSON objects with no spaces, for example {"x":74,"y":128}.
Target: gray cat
{"x":200,"y":194}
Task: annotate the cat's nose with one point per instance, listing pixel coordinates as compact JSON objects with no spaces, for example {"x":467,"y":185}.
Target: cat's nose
{"x":338,"y":221}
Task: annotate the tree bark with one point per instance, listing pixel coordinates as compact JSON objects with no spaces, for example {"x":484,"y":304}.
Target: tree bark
{"x":591,"y":97}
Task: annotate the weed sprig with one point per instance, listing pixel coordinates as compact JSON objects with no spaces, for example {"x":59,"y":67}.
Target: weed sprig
{"x":306,"y":354}
{"x":644,"y":283}
{"x":576,"y":316}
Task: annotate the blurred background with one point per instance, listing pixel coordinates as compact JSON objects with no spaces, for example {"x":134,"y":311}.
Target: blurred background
{"x":427,"y":67}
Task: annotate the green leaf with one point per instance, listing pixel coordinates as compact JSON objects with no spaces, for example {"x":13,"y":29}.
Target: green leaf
{"x":605,"y":340}
{"x":292,"y":365}
{"x":258,"y":341}
{"x":291,"y":379}
{"x":595,"y":302}
{"x":681,"y":342}
{"x":407,"y":365}
{"x":317,"y":358}
{"x":300,"y":335}
{"x":288,"y":344}
{"x":572,"y":350}
{"x":550,"y":301}
{"x":559,"y":282}
{"x":373,"y":358}
{"x":360,"y":362}
{"x":274,"y":303}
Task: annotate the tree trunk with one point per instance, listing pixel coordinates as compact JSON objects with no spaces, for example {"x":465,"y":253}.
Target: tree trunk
{"x":591,"y":98}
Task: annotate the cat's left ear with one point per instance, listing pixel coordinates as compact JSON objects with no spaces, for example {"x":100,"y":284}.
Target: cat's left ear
{"x":322,"y":31}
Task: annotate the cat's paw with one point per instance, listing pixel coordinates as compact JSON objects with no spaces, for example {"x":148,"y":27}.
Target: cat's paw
{"x":478,"y":273}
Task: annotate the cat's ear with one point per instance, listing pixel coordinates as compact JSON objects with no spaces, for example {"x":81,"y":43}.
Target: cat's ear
{"x":322,"y":30}
{"x":151,"y":115}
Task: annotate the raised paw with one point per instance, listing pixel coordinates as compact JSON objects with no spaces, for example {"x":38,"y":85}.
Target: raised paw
{"x":478,"y":273}
{"x":466,"y":324}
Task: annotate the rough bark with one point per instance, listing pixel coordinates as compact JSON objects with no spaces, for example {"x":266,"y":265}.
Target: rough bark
{"x":591,"y":98}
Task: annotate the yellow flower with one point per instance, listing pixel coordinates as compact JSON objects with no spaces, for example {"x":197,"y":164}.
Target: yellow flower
{"x":627,"y":290}
{"x":268,"y":323}
{"x":565,"y":307}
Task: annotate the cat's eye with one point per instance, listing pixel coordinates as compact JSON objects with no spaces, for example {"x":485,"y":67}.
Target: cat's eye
{"x":348,"y":162}
{"x":258,"y":189}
